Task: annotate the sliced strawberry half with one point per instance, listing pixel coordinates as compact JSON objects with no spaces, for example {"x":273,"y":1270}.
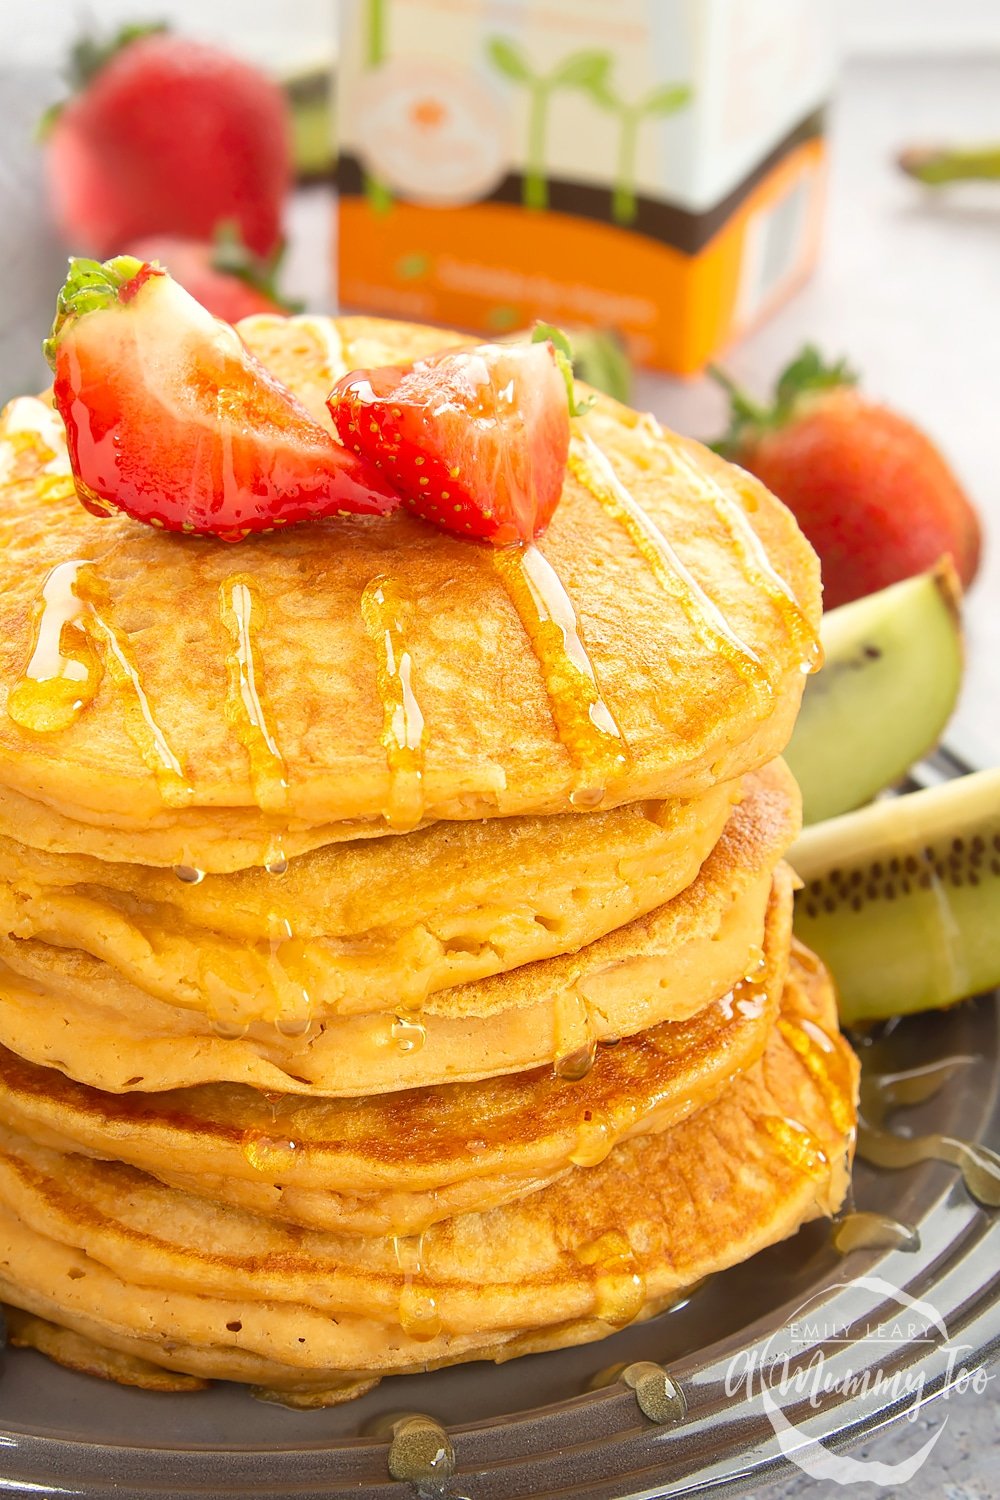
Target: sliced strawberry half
{"x":474,"y":440}
{"x":171,"y":419}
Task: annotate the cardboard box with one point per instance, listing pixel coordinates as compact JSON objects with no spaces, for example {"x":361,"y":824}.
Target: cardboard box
{"x":655,"y":166}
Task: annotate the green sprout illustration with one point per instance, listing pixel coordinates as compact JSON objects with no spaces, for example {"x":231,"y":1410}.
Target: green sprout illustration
{"x":580,"y":70}
{"x":376,"y":191}
{"x":664,"y":100}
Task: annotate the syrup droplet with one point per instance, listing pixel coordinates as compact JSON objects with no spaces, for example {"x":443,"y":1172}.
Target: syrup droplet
{"x":246,"y":702}
{"x":979,"y":1165}
{"x":276,"y":861}
{"x":63,"y":672}
{"x":575,"y":1046}
{"x":271,"y":1156}
{"x":420,"y":1452}
{"x":382,"y":610}
{"x":659,"y":1397}
{"x":797,"y":1145}
{"x":189,"y":874}
{"x":594,"y":1140}
{"x":409,"y":1033}
{"x":619,"y":1287}
{"x":591,"y":468}
{"x":583,"y":720}
{"x":294,"y":1028}
{"x":873,"y":1231}
{"x":758,"y":566}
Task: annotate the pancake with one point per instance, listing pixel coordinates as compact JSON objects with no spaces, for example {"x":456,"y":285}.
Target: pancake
{"x":105,"y":1250}
{"x":64,"y":1009}
{"x":636,"y":654}
{"x":373,"y":925}
{"x":396,"y":1163}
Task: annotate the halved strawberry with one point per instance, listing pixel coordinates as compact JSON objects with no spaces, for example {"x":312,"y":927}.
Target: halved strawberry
{"x":474,"y":440}
{"x":170,"y":418}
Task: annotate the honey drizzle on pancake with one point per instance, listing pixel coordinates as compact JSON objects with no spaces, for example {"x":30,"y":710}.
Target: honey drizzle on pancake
{"x":826,"y":1065}
{"x":33,"y":428}
{"x":800,"y":1148}
{"x":884,"y":1092}
{"x":583,"y":720}
{"x":140,"y":721}
{"x":575,"y":1045}
{"x":382,"y":609}
{"x":592,"y":468}
{"x":417,"y":1309}
{"x":63,"y":672}
{"x":873,"y":1231}
{"x":246,"y":703}
{"x":757,"y":565}
{"x":619,"y":1286}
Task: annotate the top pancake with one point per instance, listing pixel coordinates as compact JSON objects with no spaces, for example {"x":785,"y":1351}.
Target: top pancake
{"x":246,"y":696}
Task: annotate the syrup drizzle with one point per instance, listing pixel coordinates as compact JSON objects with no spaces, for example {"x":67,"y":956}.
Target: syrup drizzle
{"x":873,"y":1231}
{"x":575,"y":1046}
{"x":800,"y":1148}
{"x":619,"y":1286}
{"x":882,"y":1093}
{"x":417,"y":1310}
{"x":246,"y":703}
{"x":63,"y":673}
{"x":583,"y":720}
{"x":149,"y":738}
{"x":826,"y":1066}
{"x":753,"y":554}
{"x":592,"y":468}
{"x":30,"y":427}
{"x":382,"y":609}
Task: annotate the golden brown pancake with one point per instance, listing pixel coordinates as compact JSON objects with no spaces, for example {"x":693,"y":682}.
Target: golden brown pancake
{"x":241,"y":697}
{"x":107,"y":1251}
{"x":396,"y":1163}
{"x":64,"y":1009}
{"x":373,"y":925}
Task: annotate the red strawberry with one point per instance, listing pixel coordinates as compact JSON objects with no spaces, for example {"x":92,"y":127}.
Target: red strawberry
{"x":168,"y":136}
{"x":869,"y":489}
{"x":224,"y":276}
{"x":475,"y":440}
{"x":170,"y":418}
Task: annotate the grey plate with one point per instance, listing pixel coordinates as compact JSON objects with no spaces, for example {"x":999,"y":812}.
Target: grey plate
{"x":532,"y":1427}
{"x":529,"y":1428}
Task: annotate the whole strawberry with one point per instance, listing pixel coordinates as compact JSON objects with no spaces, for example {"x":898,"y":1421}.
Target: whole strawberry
{"x":167,"y":136}
{"x":223,"y":276}
{"x":869,"y":489}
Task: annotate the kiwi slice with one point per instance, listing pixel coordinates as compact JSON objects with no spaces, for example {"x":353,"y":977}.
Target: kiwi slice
{"x":902,"y":899}
{"x":891,"y":677}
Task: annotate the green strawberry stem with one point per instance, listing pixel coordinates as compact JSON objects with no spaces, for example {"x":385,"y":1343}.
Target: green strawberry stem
{"x":89,"y":287}
{"x":807,"y":376}
{"x":934,"y":166}
{"x":232,"y":256}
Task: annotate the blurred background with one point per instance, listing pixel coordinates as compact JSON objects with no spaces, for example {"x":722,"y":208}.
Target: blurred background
{"x":848,"y":253}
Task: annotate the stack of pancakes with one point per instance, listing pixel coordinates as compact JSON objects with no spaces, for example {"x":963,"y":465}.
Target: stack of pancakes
{"x":395,"y":945}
